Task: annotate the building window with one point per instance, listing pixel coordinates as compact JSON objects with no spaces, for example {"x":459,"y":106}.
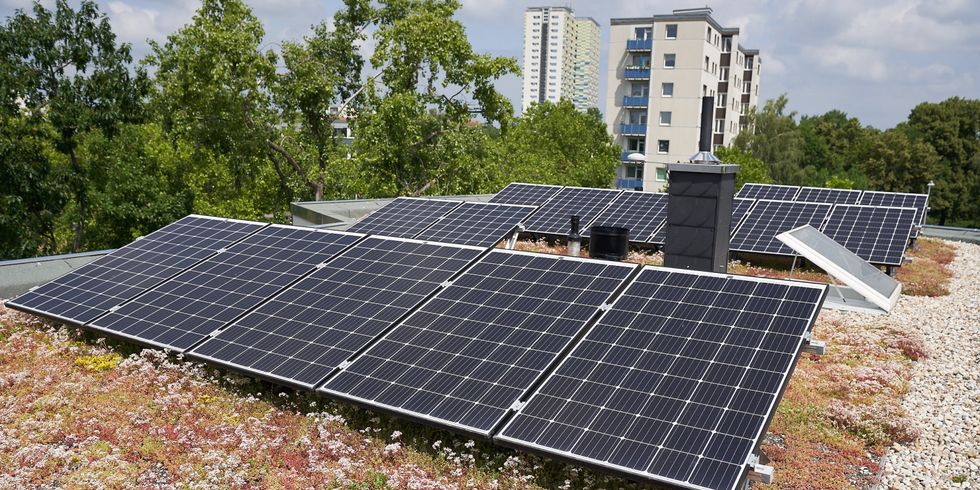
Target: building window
{"x":638,"y":117}
{"x":707,"y":63}
{"x":722,"y":100}
{"x":670,"y":60}
{"x":643,"y":33}
{"x":748,"y":63}
{"x":667,"y":89}
{"x":665,"y":118}
{"x":719,"y":125}
{"x":661,"y":174}
{"x":663,"y":146}
{"x":709,"y":34}
{"x":747,"y":87}
{"x":671,"y":31}
{"x":636,"y":145}
{"x":724,"y":73}
{"x":634,"y":172}
{"x":639,"y":89}
{"x":726,"y":44}
{"x":640,"y":61}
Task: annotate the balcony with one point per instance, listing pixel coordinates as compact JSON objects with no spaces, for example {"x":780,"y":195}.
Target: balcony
{"x":636,"y":73}
{"x":639,"y":44}
{"x":626,"y":154}
{"x":636,"y":101}
{"x":627,"y":129}
{"x":629,"y":184}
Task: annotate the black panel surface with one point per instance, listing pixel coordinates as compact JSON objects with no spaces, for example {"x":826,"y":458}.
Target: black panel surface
{"x":182,"y":311}
{"x":404,"y":217}
{"x":899,"y":200}
{"x":527,"y":194}
{"x":677,"y":381}
{"x":769,"y":218}
{"x":768,"y":191}
{"x":469,"y":353}
{"x":477,"y":223}
{"x":553,"y":217}
{"x":305,"y":332}
{"x":832,"y":196}
{"x":739,"y":209}
{"x":89,"y":291}
{"x":876,"y":234}
{"x":641,"y":212}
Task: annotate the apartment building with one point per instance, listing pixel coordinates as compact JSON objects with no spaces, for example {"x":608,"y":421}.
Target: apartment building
{"x":561,"y":57}
{"x":659,"y":69}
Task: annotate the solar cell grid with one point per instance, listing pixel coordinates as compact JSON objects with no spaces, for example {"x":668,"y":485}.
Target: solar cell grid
{"x":303,"y":333}
{"x":553,"y":216}
{"x":769,"y":218}
{"x":899,"y":200}
{"x":469,"y":353}
{"x":527,"y":194}
{"x":185,"y":309}
{"x":832,"y":196}
{"x":768,"y":191}
{"x":477,"y":223}
{"x":675,"y":383}
{"x":404,"y":217}
{"x":89,"y":291}
{"x":876,"y":234}
{"x":641,"y":212}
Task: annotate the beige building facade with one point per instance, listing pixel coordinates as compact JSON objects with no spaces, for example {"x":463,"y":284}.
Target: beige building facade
{"x":659,"y":69}
{"x":561,"y":58}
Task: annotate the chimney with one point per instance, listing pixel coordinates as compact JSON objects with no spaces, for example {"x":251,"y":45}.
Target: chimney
{"x":699,"y":206}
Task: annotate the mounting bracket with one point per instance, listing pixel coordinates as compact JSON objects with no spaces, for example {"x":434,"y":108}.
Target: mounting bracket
{"x":758,"y":472}
{"x":512,"y":241}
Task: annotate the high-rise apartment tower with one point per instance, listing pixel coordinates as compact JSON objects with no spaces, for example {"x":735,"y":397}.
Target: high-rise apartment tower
{"x":561,"y":57}
{"x":659,"y":69}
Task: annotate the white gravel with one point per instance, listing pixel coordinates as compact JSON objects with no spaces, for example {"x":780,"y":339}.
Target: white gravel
{"x":944,"y":401}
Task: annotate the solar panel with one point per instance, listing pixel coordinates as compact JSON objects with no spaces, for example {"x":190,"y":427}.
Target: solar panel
{"x":89,"y":291}
{"x":467,"y":355}
{"x":832,"y":196}
{"x":899,"y":200}
{"x":768,"y":191}
{"x":306,"y":331}
{"x":477,"y":223}
{"x":404,"y":217}
{"x":641,"y":212}
{"x":527,"y":194}
{"x":184,"y":310}
{"x":677,"y":381}
{"x":740,"y":207}
{"x":876,"y":234}
{"x":553,"y":217}
{"x":770,"y":218}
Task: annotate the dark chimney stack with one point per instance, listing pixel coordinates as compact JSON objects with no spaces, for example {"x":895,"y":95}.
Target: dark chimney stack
{"x":699,"y":207}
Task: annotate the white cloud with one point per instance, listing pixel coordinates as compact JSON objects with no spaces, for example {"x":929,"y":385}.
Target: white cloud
{"x":133,"y":24}
{"x":906,"y":25}
{"x":857,"y":63}
{"x":487,"y":9}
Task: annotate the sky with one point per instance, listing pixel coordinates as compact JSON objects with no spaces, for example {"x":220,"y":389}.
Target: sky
{"x":873,"y":59}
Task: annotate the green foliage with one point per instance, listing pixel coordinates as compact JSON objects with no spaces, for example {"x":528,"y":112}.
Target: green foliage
{"x":896,"y":163}
{"x":776,"y":141}
{"x":838,"y":182}
{"x":751,"y":169}
{"x":557,"y":144}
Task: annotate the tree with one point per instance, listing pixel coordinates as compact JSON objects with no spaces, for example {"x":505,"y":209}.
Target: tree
{"x":409,"y":134}
{"x":64,"y":70}
{"x":776,"y":140}
{"x":952,"y":127}
{"x":834,"y":145}
{"x":556,"y":144}
{"x":897,"y":164}
{"x":751,"y":168}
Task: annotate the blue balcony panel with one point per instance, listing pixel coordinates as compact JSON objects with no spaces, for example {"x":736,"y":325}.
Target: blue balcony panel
{"x":635,"y":101}
{"x":633,"y":129}
{"x":636,"y":73}
{"x":629,"y":183}
{"x":639,"y":44}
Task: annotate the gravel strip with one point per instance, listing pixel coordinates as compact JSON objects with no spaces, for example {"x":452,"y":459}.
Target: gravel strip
{"x":944,"y":400}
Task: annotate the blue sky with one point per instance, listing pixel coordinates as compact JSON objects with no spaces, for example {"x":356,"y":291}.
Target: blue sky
{"x":874,"y":59}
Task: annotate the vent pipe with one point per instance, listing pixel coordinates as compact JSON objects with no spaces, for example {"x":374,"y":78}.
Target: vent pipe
{"x":699,"y":206}
{"x":574,"y":238}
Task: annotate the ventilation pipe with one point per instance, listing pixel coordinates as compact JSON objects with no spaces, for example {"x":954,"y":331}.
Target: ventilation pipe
{"x":699,"y":206}
{"x":574,"y":239}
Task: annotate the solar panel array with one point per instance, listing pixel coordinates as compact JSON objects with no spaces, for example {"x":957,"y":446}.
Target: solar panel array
{"x":466,"y":356}
{"x":184,"y":310}
{"x":405,"y":217}
{"x":463,"y":337}
{"x":832,"y":196}
{"x":643,"y":213}
{"x":527,"y":194}
{"x":87,"y":292}
{"x":306,"y":331}
{"x":876,"y":234}
{"x":902,"y":200}
{"x":477,"y":223}
{"x":770,"y":218}
{"x":676,"y":381}
{"x":553,"y":217}
{"x":768,"y":191}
